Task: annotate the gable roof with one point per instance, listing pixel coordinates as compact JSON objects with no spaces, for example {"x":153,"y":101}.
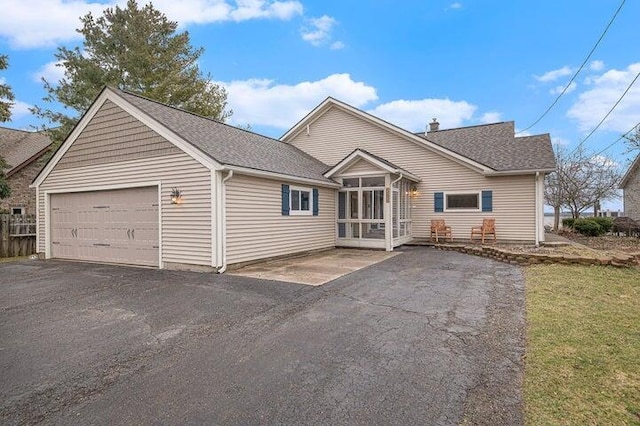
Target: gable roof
{"x":633,"y":168}
{"x":19,"y":147}
{"x":380,"y":162}
{"x":229,"y":145}
{"x":473,"y":146}
{"x":495,"y":145}
{"x":214,"y":144}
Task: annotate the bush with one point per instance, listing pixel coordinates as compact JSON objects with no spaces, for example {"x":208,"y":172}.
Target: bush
{"x":568,"y":223}
{"x":606,"y":223}
{"x":588,"y":227}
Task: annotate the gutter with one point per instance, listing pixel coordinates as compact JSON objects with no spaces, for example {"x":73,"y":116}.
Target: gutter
{"x":224,"y":222}
{"x":537,"y":210}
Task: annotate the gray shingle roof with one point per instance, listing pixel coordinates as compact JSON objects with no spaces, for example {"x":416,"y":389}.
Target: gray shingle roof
{"x":229,"y":145}
{"x":495,"y":146}
{"x":19,"y":146}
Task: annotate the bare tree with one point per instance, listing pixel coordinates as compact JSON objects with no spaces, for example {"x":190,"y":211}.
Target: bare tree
{"x":580,"y":181}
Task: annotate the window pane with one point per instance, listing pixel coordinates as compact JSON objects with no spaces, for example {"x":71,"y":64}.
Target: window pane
{"x":351,"y":183}
{"x":373,"y":231}
{"x":355,"y":230}
{"x":378,"y":204}
{"x":462,"y":201}
{"x":373,"y":181}
{"x":367,"y":204}
{"x":304,"y":200}
{"x":353,"y":204}
{"x":342,"y":230}
{"x":295,"y":199}
{"x":342,"y":205}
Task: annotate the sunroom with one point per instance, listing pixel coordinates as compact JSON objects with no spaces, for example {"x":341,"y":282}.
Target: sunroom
{"x":374,"y":203}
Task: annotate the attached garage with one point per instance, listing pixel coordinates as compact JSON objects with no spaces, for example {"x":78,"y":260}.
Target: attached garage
{"x":116,"y":226}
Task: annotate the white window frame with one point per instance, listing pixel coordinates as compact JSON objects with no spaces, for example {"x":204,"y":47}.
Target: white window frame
{"x":293,"y":212}
{"x":462,"y":209}
{"x":22,"y":209}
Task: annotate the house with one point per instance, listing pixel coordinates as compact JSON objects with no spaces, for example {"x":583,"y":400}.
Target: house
{"x":630,"y":185}
{"x":24,"y":152}
{"x":140,"y":182}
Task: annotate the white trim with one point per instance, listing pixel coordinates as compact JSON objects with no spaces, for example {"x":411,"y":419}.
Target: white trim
{"x":38,"y":219}
{"x":358,"y":155}
{"x":47,"y":226}
{"x":518,"y":172}
{"x":212,"y":198}
{"x":281,"y":176}
{"x":108,"y":94}
{"x":539,"y":208}
{"x":160,"y":261}
{"x":462,"y":209}
{"x":308,"y":212}
{"x":22,"y":209}
{"x":220,"y":212}
{"x":223,"y":267}
{"x":104,"y":187}
{"x":362,"y":243}
{"x":321,"y":109}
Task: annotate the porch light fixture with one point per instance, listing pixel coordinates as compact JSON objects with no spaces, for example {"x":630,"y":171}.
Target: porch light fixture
{"x":414,"y":191}
{"x":176,"y":195}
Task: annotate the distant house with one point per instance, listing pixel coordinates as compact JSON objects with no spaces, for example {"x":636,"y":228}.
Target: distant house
{"x":139,"y":182}
{"x":23,"y":151}
{"x":630,"y":186}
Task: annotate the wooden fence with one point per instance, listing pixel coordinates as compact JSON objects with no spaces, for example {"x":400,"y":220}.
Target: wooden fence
{"x":17,"y":235}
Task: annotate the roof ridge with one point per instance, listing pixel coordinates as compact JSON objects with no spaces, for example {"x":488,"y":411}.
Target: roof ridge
{"x":468,"y":127}
{"x":193,"y":113}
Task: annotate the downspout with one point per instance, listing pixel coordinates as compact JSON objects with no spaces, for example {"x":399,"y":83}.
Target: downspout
{"x":224,"y":222}
{"x":537,"y":209}
{"x":391,"y":202}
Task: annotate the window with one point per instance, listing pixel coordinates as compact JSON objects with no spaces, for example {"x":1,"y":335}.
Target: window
{"x":17,"y":210}
{"x":301,"y":201}
{"x":469,"y":201}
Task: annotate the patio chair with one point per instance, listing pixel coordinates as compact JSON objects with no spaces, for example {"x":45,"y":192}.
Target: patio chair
{"x":440,"y":229}
{"x":488,"y":228}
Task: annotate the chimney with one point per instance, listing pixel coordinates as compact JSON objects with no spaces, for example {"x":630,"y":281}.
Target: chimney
{"x":434,"y":126}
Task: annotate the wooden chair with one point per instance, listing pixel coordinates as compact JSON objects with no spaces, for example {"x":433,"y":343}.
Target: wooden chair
{"x":440,"y":229}
{"x":488,"y":228}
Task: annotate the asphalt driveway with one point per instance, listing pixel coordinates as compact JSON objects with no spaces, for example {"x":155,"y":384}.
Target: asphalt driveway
{"x":426,"y":337}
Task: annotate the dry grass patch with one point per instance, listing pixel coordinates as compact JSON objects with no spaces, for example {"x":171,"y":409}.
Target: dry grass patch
{"x":583,"y":345}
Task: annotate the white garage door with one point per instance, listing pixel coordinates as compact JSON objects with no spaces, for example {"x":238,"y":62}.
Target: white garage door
{"x":115,"y":226}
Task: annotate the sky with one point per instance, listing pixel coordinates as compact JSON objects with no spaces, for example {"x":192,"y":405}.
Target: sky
{"x":463,"y":62}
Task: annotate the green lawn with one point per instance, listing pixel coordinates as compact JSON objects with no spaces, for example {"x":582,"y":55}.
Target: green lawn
{"x":583,"y":346}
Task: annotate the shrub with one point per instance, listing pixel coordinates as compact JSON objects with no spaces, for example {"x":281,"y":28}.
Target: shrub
{"x":588,"y":227}
{"x":568,"y":222}
{"x":606,"y":223}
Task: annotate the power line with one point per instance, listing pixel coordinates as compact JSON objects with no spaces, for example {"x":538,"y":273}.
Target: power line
{"x":608,"y":113}
{"x":617,"y":140}
{"x":578,"y":71}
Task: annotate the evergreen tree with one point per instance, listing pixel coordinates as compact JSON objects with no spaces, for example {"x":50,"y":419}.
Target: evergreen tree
{"x":134,"y":49}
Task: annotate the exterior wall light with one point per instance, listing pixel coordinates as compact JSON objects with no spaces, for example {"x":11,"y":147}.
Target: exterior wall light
{"x":414,"y":191}
{"x":176,"y":195}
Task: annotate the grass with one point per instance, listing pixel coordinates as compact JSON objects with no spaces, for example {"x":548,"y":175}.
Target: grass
{"x":583,"y":346}
{"x":12,"y":259}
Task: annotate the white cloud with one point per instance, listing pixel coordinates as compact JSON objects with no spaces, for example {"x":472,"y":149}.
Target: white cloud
{"x":558,"y":89}
{"x":50,"y":72}
{"x":20,"y":109}
{"x":592,"y":105}
{"x":35,"y":23}
{"x":414,"y":115}
{"x":319,"y":30}
{"x":491,"y":117}
{"x":456,"y":5}
{"x":554,"y":74}
{"x":596,"y":66}
{"x":337,"y":45}
{"x":263,"y":103}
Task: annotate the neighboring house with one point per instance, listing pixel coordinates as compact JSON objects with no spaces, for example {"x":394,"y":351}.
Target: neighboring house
{"x":630,"y":186}
{"x":143,"y":183}
{"x":24,"y":152}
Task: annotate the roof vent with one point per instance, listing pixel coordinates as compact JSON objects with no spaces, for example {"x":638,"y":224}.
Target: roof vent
{"x":434,"y":126}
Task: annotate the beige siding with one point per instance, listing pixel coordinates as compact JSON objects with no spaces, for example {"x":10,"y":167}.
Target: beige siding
{"x":632,"y":196}
{"x":186,"y":227}
{"x":113,"y":135}
{"x":257,"y":229}
{"x":361,"y":167}
{"x":337,"y":133}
